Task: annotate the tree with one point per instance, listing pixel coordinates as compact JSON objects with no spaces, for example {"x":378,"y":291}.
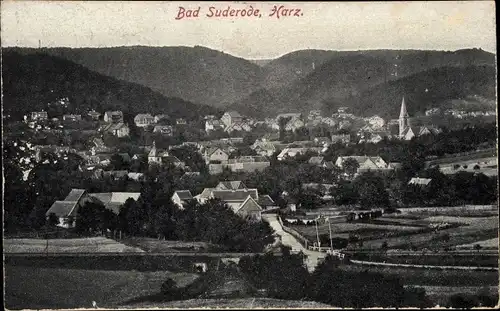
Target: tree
{"x":350,"y":166}
{"x":52,"y":220}
{"x":371,"y":189}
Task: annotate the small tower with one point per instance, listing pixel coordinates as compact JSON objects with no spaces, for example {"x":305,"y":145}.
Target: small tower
{"x":404,"y":119}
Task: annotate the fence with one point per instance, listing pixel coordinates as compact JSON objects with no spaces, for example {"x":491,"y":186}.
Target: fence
{"x":371,"y":263}
{"x":303,"y":240}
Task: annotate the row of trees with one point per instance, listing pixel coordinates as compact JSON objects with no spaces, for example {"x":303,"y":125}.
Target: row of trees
{"x":285,"y":277}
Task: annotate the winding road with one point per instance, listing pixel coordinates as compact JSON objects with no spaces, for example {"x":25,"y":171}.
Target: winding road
{"x":312,"y":259}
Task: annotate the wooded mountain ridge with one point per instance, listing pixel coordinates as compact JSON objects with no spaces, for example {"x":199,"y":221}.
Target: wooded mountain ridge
{"x":368,"y":81}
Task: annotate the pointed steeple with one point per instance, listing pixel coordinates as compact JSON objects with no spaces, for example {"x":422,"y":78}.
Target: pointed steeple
{"x":404,"y":112}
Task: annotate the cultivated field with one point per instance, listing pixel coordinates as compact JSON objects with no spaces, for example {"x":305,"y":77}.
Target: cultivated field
{"x":490,"y":244}
{"x":418,"y":228}
{"x":79,"y":245}
{"x":34,"y":287}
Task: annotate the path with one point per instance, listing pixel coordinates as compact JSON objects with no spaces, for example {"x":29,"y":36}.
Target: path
{"x":287,"y":239}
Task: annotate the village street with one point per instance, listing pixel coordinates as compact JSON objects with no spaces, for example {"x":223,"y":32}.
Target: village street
{"x":287,"y":239}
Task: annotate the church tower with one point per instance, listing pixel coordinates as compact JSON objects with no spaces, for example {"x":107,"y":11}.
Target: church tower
{"x":404,"y":119}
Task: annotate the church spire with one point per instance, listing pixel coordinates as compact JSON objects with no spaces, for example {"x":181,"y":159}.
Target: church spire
{"x":404,"y":112}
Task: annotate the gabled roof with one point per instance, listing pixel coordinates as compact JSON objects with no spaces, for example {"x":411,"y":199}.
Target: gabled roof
{"x":265,"y":200}
{"x":235,"y":195}
{"x":66,"y":208}
{"x":230,"y":185}
{"x":210,"y":150}
{"x":248,"y":201}
{"x":206,"y":193}
{"x":143,"y":116}
{"x":233,"y":114}
{"x":114,"y":200}
{"x":184,"y":195}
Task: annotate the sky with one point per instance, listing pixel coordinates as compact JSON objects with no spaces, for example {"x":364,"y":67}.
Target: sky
{"x":429,"y":25}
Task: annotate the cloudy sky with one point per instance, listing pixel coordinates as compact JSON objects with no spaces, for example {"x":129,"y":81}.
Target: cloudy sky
{"x":332,"y":26}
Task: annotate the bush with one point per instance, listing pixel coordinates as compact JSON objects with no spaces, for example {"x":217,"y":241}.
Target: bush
{"x":168,"y":286}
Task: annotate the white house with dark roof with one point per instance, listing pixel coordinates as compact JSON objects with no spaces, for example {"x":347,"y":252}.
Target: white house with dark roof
{"x":119,"y":129}
{"x":181,"y":197}
{"x":231,"y":117}
{"x":67,"y":210}
{"x":144,"y":119}
{"x":215,"y":154}
{"x":243,"y":202}
{"x":113,"y":116}
{"x":166,"y":130}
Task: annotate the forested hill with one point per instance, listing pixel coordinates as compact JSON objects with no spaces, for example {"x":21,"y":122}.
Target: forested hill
{"x":31,"y":81}
{"x":196,"y":74}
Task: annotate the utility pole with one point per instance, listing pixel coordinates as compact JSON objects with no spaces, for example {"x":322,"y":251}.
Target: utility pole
{"x":330,"y":230}
{"x":317,"y":234}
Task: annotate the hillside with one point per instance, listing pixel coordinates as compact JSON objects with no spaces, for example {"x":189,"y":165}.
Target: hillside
{"x":425,"y":90}
{"x":352,"y":78}
{"x":31,"y":81}
{"x":289,"y":83}
{"x":195,"y":74}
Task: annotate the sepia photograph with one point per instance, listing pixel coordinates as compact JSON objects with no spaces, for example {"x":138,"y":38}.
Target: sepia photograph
{"x":255,"y":155}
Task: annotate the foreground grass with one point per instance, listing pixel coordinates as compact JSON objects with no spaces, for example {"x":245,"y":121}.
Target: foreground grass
{"x":230,"y":303}
{"x":432,"y":277}
{"x":50,"y":288}
{"x":75,"y":245}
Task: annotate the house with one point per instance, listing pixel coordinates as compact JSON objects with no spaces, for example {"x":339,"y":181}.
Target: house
{"x":294,"y":124}
{"x":266,"y":202}
{"x":190,"y":174}
{"x":181,"y":197}
{"x":135,"y":176}
{"x":144,"y":119}
{"x":213,"y":125}
{"x":292,"y":152}
{"x":341,"y":138}
{"x":265,"y":148}
{"x":215,"y":154}
{"x":241,"y":126}
{"x":241,"y":164}
{"x":243,"y":202}
{"x":291,"y":115}
{"x":166,"y":130}
{"x":39,"y":116}
{"x":119,"y":129}
{"x":72,"y":117}
{"x":113,"y":116}
{"x":230,"y":185}
{"x":160,"y":117}
{"x":320,"y":161}
{"x":113,"y":201}
{"x":100,"y":174}
{"x":365,"y":162}
{"x":66,"y":210}
{"x":314,"y":114}
{"x":419,"y":181}
{"x":158,"y":156}
{"x":231,"y":117}
{"x":180,"y":121}
{"x":376,"y":122}
{"x":94,"y":115}
{"x":322,"y":141}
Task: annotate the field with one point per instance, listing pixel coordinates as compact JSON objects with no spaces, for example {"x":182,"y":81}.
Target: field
{"x":151,"y":245}
{"x":440,"y":228}
{"x":34,"y":287}
{"x":230,"y":303}
{"x":490,"y":243}
{"x":440,"y":294}
{"x":78,"y":245}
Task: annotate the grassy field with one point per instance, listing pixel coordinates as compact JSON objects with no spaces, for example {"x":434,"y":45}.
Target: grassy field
{"x":440,"y":294}
{"x":77,"y":245}
{"x":489,"y":244}
{"x":159,"y":246}
{"x":29,"y":287}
